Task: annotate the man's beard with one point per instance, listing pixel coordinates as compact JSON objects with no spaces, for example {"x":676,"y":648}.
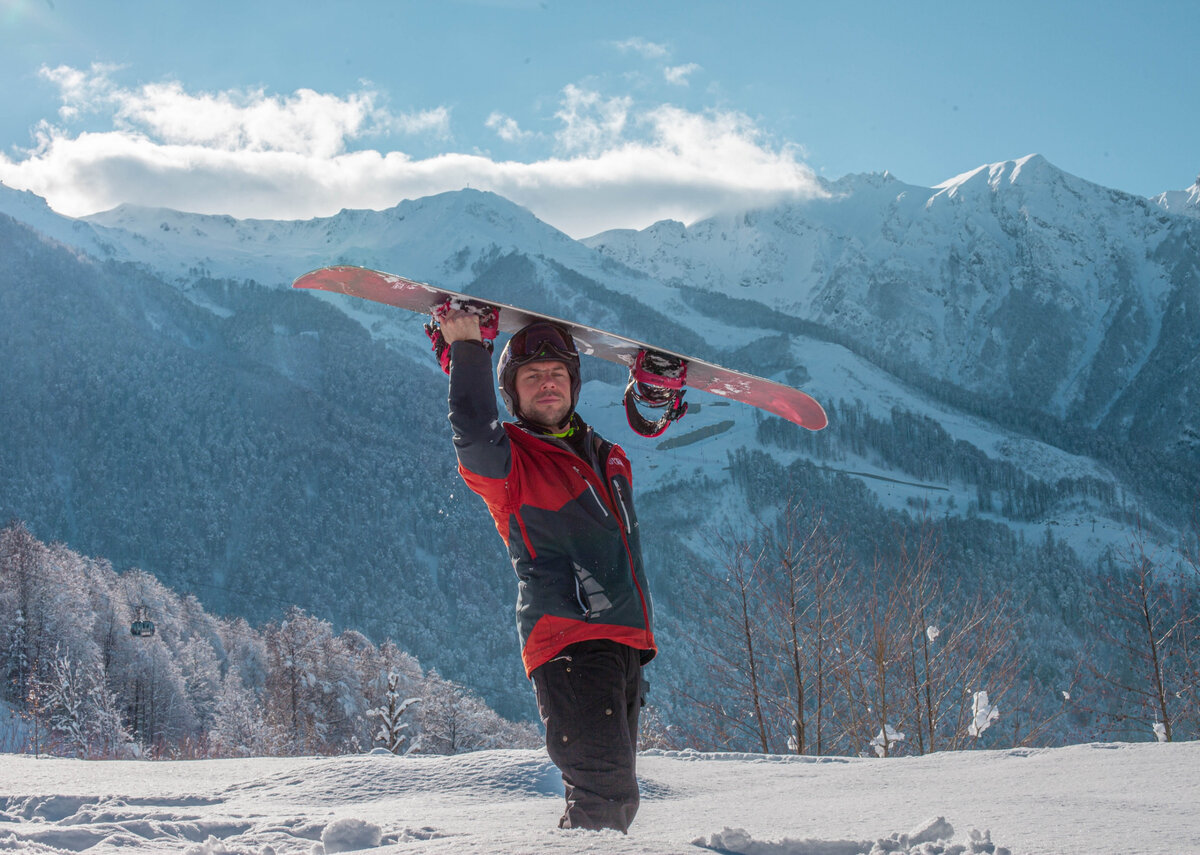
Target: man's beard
{"x":551,"y":415}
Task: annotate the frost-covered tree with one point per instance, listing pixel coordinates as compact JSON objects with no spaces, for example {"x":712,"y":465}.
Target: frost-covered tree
{"x":292,"y":696}
{"x":23,"y":604}
{"x":454,"y":720}
{"x":314,"y":690}
{"x":245,"y":649}
{"x":16,"y":672}
{"x":240,"y":728}
{"x":392,"y":733}
{"x":70,"y":617}
{"x":341,"y":683}
{"x":155,"y":697}
{"x":80,"y":712}
{"x":107,"y":733}
{"x":392,"y":660}
{"x":201,"y":678}
{"x":63,"y":704}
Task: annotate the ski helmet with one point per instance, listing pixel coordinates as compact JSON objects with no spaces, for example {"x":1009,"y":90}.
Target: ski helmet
{"x":533,"y":342}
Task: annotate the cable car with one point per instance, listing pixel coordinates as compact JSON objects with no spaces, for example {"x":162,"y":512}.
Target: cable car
{"x":142,"y":625}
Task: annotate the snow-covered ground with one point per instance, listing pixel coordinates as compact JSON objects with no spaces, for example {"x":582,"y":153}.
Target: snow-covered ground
{"x":1115,"y":799}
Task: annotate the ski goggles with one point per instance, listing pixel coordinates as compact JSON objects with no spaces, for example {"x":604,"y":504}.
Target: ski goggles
{"x":542,"y":340}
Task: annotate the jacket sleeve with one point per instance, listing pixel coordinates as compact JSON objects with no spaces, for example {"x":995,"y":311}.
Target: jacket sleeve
{"x":481,"y":442}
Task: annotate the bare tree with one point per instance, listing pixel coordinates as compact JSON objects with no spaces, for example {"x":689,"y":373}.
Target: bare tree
{"x":869,"y":668}
{"x":731,"y":640}
{"x":919,"y":648}
{"x":808,"y":616}
{"x":1148,"y":624}
{"x":918,"y":589}
{"x":959,"y":644}
{"x":1187,"y":691}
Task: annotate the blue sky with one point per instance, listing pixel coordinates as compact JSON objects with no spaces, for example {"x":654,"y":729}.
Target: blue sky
{"x":592,"y":114}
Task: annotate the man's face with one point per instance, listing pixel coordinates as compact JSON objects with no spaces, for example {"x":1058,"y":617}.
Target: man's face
{"x":544,"y":393}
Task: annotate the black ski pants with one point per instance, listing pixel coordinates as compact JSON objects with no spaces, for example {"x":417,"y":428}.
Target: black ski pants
{"x":589,"y":698}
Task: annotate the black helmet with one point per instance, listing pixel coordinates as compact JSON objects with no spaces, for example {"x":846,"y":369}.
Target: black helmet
{"x":535,"y":341}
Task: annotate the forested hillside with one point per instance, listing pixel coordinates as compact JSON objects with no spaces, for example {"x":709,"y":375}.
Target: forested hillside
{"x":259,"y":452}
{"x":101,"y":664}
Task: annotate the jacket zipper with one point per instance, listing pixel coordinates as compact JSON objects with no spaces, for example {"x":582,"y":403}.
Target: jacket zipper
{"x":595,"y":495}
{"x":620,"y":497}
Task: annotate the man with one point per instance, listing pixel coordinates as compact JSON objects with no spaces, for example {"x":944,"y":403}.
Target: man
{"x":561,"y":498}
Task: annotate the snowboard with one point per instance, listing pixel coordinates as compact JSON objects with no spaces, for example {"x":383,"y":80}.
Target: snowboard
{"x":658,"y":377}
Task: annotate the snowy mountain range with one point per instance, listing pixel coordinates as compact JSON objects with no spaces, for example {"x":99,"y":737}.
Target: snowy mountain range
{"x":1015,"y":346}
{"x":1015,"y":281}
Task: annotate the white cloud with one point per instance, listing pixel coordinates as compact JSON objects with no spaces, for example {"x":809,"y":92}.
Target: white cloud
{"x":305,"y":122}
{"x":250,"y":154}
{"x":80,"y":90}
{"x":644,"y":48}
{"x":435,"y":122}
{"x":507,"y":128}
{"x":591,"y":122}
{"x":679,"y":74}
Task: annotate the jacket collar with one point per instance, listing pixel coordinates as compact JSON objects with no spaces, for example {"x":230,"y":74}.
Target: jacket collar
{"x":589,"y":446}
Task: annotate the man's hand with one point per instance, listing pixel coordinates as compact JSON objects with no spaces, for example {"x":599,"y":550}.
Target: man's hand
{"x":452,"y":323}
{"x":459,"y":325}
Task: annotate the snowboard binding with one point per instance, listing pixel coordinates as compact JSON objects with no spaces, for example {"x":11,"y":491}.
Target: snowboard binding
{"x":655,"y":380}
{"x":489,"y":326}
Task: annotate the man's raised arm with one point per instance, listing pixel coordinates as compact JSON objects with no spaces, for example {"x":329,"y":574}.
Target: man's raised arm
{"x":481,"y":443}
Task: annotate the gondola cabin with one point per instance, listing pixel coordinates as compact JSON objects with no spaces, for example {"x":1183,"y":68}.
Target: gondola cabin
{"x":142,"y":625}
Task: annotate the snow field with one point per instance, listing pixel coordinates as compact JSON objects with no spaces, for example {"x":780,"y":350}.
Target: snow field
{"x":1118,"y":799}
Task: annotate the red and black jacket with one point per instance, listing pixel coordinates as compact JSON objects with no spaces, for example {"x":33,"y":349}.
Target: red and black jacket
{"x":568,"y":522}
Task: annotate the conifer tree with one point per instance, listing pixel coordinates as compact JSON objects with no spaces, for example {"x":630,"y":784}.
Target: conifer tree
{"x":391,"y":734}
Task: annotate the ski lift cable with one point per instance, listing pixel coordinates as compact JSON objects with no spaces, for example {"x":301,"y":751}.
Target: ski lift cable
{"x":143,"y":625}
{"x":355,"y":614}
{"x":358,"y":616}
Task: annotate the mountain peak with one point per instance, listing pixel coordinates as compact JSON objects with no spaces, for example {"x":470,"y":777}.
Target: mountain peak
{"x":1186,"y":202}
{"x":861,"y":181}
{"x":27,"y":207}
{"x":1033,"y":169}
{"x":23,"y":204}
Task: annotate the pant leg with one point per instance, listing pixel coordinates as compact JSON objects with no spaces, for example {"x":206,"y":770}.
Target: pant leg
{"x":589,"y":699}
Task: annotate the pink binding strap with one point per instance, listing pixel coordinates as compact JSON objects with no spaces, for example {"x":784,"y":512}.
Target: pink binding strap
{"x":656,"y":380}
